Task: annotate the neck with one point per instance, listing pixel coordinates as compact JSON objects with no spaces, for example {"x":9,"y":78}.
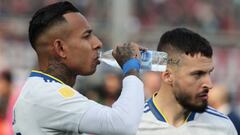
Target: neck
{"x":173,"y":112}
{"x":58,"y":70}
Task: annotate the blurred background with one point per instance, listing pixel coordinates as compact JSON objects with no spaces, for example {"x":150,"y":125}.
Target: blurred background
{"x":118,"y":21}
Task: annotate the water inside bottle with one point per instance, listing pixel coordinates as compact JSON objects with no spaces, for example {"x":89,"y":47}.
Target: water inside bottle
{"x":156,"y":67}
{"x":150,"y":60}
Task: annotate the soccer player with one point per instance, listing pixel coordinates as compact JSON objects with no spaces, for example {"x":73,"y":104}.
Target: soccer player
{"x":66,"y":47}
{"x":180,"y":106}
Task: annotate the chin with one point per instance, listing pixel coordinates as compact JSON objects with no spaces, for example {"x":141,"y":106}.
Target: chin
{"x":92,"y":72}
{"x":198,"y":108}
{"x":88,"y":72}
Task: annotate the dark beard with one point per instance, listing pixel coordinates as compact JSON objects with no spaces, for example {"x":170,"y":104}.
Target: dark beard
{"x":183,"y":100}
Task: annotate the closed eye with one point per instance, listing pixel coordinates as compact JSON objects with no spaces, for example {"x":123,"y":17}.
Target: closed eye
{"x":87,"y":34}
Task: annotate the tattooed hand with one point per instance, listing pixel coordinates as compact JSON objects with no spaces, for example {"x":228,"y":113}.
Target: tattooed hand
{"x":124,"y":52}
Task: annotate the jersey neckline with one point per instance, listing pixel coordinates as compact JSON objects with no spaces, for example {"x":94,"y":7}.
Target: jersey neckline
{"x":45,"y":76}
{"x":159,"y":115}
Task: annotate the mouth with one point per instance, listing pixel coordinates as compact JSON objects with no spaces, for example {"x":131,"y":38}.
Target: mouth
{"x":203,"y":95}
{"x":97,"y":61}
{"x":97,"y":57}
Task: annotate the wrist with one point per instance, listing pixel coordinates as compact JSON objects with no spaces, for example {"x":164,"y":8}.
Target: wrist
{"x":131,"y":64}
{"x":133,"y":72}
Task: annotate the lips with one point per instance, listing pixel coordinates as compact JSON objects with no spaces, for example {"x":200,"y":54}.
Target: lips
{"x":203,"y":95}
{"x":97,"y":60}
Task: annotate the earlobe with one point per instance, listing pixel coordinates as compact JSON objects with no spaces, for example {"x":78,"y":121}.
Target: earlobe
{"x":59,"y":48}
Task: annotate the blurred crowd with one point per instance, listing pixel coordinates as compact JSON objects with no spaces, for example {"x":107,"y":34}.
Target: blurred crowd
{"x":208,"y":16}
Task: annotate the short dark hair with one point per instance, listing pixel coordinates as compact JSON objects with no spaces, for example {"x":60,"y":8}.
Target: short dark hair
{"x":185,"y":41}
{"x":46,"y":17}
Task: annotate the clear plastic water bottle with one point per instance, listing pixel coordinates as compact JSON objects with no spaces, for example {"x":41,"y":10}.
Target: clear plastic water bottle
{"x":150,"y":60}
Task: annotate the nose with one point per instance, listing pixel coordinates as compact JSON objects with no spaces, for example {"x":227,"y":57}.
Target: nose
{"x":97,"y":43}
{"x":207,"y":82}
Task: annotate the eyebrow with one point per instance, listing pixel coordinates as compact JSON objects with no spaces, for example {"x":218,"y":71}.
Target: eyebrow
{"x":201,"y":71}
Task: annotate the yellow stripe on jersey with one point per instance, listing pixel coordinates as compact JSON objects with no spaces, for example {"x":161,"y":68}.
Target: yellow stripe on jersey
{"x":187,"y":117}
{"x":48,"y":75}
{"x":155,"y":104}
{"x":66,"y":92}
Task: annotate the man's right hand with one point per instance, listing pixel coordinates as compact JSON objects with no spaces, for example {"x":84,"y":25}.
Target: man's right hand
{"x":125,"y":52}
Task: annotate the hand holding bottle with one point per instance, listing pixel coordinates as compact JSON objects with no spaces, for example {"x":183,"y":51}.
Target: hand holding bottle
{"x":122,"y":53}
{"x":150,"y":60}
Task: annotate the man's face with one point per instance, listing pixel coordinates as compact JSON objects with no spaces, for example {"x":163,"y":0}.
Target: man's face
{"x":81,"y":45}
{"x":192,"y":82}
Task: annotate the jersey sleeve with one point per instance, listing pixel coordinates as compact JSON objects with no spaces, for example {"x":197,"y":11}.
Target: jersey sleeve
{"x":70,"y":111}
{"x":124,"y":115}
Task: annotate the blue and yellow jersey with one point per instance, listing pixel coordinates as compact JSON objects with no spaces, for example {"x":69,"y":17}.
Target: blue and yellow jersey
{"x":46,"y":101}
{"x":210,"y":122}
{"x":47,"y":106}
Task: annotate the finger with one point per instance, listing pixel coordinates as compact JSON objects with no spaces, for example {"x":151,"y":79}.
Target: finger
{"x":141,"y":48}
{"x":115,"y":51}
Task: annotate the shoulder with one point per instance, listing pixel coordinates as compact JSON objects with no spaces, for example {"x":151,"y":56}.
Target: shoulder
{"x":215,"y":119}
{"x":38,"y":84}
{"x":52,"y":97}
{"x":214,"y":114}
{"x":44,"y":92}
{"x":148,"y":117}
{"x":147,"y":114}
{"x":146,"y":107}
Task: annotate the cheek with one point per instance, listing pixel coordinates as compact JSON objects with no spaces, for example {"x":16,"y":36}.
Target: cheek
{"x":183,"y":83}
{"x":187,"y":86}
{"x":80,"y":52}
{"x":79,"y":58}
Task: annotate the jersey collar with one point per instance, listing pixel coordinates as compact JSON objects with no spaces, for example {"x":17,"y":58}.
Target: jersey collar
{"x":46,"y":77}
{"x":159,"y":115}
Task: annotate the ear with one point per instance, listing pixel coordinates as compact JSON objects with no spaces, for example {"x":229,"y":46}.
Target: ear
{"x":60,"y":48}
{"x":167,"y":76}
